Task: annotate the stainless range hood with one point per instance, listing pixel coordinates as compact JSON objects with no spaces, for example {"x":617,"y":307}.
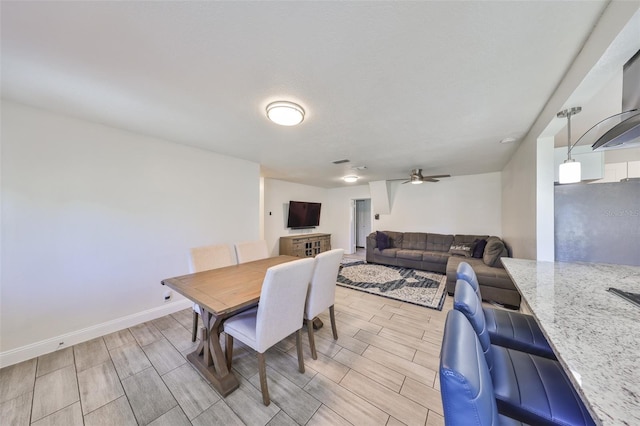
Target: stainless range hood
{"x":626,"y":133}
{"x":623,"y":135}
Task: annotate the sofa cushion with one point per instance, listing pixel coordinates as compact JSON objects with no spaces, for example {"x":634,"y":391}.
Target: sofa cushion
{"x":439,"y":242}
{"x":435,"y":256}
{"x":494,"y":250}
{"x":395,"y":238}
{"x":478,"y":249}
{"x":390,"y":252}
{"x":382,"y":240}
{"x":410,"y":254}
{"x":414,"y":241}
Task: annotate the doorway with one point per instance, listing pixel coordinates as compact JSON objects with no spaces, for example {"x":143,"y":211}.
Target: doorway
{"x":361,"y":224}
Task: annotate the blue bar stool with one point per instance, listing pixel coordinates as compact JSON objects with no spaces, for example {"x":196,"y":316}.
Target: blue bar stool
{"x":507,"y":328}
{"x":527,"y":387}
{"x":465,"y":381}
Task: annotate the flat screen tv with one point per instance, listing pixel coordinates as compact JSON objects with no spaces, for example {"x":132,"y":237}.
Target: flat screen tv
{"x":303,"y":214}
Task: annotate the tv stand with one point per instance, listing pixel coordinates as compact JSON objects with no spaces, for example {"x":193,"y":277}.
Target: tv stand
{"x":305,"y":245}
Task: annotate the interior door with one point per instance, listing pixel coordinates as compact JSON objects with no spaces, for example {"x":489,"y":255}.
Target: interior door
{"x":363,"y":221}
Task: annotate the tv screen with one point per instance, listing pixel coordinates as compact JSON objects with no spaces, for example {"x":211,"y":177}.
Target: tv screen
{"x":303,"y":214}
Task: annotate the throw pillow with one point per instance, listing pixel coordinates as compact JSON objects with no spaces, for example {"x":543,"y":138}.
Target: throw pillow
{"x":461,"y":249}
{"x":382,"y":240}
{"x":494,"y":250}
{"x":478,"y":250}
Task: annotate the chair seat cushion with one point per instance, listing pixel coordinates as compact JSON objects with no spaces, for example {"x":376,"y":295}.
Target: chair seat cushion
{"x":516,"y":331}
{"x":535,"y":389}
{"x":243,"y":327}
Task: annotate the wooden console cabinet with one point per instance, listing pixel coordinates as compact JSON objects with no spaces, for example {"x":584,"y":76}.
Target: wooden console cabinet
{"x":305,"y":245}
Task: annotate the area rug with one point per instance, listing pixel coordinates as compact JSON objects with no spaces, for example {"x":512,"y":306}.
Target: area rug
{"x":408,"y":285}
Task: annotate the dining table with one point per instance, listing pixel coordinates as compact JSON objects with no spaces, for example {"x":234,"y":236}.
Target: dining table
{"x":221,"y":293}
{"x":590,"y":314}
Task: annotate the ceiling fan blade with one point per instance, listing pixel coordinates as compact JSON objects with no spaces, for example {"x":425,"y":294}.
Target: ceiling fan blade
{"x":430,"y":180}
{"x":435,"y":176}
{"x":406,"y":181}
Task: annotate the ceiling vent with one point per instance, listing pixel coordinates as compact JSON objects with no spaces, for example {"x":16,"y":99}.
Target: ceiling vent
{"x":341,"y":161}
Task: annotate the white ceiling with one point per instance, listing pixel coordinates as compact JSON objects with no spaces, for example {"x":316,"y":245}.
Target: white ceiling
{"x":389,"y":85}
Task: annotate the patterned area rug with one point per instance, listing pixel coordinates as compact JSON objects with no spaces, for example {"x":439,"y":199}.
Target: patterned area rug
{"x":408,"y":285}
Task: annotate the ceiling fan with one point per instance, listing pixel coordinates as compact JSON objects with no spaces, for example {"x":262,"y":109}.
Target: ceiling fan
{"x":416,"y":177}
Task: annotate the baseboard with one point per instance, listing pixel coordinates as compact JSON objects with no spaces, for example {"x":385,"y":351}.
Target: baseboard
{"x":43,"y":347}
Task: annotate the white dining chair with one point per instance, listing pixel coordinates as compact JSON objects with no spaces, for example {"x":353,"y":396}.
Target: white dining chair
{"x":203,"y":259}
{"x":251,"y":250}
{"x":278,"y":315}
{"x":322,"y":292}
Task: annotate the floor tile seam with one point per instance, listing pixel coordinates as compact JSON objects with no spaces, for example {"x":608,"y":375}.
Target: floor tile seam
{"x":418,"y":402}
{"x":411,"y":322}
{"x":145,"y":355}
{"x":34,"y":391}
{"x":106,"y":403}
{"x":349,"y":391}
{"x":418,"y":365}
{"x":33,"y":388}
{"x":365,"y":399}
{"x":275,"y":402}
{"x":404,"y":377}
{"x":177,"y":405}
{"x":401,"y":326}
{"x":57,"y":411}
{"x":258,"y":401}
{"x":126,"y":395}
{"x":378,"y":347}
{"x":294,"y":358}
{"x":176,"y":399}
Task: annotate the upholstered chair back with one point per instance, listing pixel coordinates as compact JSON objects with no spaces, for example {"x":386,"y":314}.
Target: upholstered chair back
{"x":252,"y":250}
{"x":322,"y":291}
{"x":466,"y":272}
{"x":281,"y":306}
{"x":210,"y":257}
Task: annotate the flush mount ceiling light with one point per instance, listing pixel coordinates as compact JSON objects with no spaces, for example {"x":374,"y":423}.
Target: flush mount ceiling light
{"x":350,"y":178}
{"x":569,"y":171}
{"x":285,"y":113}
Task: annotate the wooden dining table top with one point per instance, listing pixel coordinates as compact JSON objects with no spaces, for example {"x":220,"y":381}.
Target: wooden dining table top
{"x":225,"y":290}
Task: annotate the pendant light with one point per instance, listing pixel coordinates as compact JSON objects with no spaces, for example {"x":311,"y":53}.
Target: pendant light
{"x":569,"y":171}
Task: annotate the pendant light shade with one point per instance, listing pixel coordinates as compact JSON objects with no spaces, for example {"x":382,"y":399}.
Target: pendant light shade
{"x":569,"y":172}
{"x":285,"y":113}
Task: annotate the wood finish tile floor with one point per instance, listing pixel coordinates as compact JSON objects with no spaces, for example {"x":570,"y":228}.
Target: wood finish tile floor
{"x":381,"y":371}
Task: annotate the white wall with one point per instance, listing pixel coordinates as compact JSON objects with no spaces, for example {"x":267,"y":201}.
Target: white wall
{"x":457,"y":205}
{"x":93,"y":218}
{"x":277,"y":194}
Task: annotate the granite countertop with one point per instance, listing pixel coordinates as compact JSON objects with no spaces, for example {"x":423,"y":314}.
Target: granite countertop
{"x":594,"y":333}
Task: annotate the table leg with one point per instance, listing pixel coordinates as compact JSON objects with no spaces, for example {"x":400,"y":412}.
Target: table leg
{"x":209,"y":358}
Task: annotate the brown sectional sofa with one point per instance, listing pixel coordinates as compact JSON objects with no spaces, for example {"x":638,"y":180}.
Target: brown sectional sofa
{"x":434,"y":252}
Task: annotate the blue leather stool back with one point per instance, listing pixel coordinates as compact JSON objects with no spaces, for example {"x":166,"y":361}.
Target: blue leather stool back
{"x":466,"y":301}
{"x":466,"y":272}
{"x":465,"y":381}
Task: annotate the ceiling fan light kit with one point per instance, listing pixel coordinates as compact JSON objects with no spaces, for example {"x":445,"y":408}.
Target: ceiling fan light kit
{"x":285,"y":113}
{"x":351,"y":178}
